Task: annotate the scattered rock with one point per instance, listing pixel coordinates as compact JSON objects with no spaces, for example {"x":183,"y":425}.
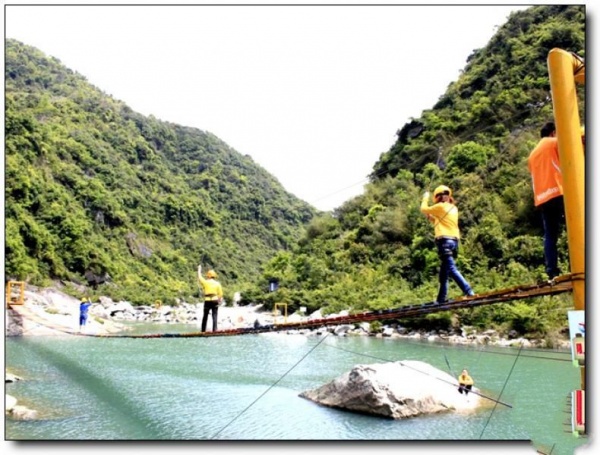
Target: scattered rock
{"x":17,"y":411}
{"x":22,"y":413}
{"x":11,"y":378}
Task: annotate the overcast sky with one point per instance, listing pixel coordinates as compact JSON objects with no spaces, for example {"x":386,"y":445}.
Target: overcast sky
{"x":314,"y":94}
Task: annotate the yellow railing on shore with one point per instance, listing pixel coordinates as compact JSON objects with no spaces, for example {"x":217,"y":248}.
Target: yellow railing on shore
{"x":276,"y":312}
{"x":19,"y":299}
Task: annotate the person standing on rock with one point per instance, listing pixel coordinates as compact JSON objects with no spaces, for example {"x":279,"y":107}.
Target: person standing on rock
{"x":84,"y":307}
{"x":465,"y":382}
{"x":213,"y":296}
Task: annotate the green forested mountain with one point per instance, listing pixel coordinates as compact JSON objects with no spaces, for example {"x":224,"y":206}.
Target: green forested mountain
{"x":94,"y":189}
{"x":377,"y":250}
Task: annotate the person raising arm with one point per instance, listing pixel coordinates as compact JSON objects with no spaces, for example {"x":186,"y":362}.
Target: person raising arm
{"x":213,"y":296}
{"x":444,"y":216}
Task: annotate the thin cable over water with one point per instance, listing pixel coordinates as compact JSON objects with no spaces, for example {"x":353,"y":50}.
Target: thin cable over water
{"x":483,"y":351}
{"x":270,"y":387}
{"x":501,"y":391}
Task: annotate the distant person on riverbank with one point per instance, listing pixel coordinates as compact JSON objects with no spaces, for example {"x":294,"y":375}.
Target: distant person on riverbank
{"x":547,"y":182}
{"x":465,"y":382}
{"x":444,"y":216}
{"x":84,"y":307}
{"x":213,"y":296}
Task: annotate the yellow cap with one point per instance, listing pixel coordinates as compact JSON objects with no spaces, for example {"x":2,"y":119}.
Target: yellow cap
{"x":442,"y":189}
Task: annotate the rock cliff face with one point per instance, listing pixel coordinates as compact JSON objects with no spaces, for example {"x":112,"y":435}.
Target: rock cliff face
{"x":395,"y":390}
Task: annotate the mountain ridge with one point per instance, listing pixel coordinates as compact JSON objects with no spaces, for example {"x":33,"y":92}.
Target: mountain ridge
{"x":94,"y":187}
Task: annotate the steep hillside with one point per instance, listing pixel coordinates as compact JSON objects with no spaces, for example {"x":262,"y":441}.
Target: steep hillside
{"x":94,"y":190}
{"x":377,"y":250}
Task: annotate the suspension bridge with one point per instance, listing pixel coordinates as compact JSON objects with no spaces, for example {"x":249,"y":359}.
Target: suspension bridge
{"x":559,"y":285}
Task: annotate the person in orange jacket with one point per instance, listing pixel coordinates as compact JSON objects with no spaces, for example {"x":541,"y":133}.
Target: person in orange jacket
{"x":213,"y":296}
{"x":547,"y":183}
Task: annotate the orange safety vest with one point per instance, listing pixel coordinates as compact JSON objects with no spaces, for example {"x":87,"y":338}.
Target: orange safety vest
{"x":544,"y":166}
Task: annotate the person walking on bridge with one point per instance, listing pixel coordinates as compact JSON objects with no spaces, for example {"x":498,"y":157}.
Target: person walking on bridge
{"x":213,"y":296}
{"x":444,"y":216}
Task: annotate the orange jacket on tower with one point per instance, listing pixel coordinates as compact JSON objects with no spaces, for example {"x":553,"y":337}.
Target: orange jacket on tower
{"x":544,"y":166}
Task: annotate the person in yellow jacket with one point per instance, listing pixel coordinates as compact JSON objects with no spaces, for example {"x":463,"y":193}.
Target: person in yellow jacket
{"x":465,"y":382}
{"x":547,"y":183}
{"x":444,"y":216}
{"x":213,"y":296}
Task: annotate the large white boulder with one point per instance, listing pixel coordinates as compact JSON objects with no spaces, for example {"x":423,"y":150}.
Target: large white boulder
{"x":396,"y":389}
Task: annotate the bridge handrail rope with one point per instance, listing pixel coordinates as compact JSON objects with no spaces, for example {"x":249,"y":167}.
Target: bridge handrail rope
{"x":559,"y":285}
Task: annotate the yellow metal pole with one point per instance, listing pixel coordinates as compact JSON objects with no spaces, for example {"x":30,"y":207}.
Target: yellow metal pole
{"x":564,"y":68}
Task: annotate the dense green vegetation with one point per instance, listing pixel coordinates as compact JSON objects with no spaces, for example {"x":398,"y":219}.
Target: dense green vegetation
{"x":93,"y":187}
{"x":377,"y":250}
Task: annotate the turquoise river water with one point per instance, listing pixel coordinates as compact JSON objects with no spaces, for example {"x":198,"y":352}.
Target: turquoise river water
{"x":246,"y":388}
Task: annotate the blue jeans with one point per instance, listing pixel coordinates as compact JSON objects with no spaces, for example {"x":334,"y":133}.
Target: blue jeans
{"x":447,"y":249}
{"x":553,"y":217}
